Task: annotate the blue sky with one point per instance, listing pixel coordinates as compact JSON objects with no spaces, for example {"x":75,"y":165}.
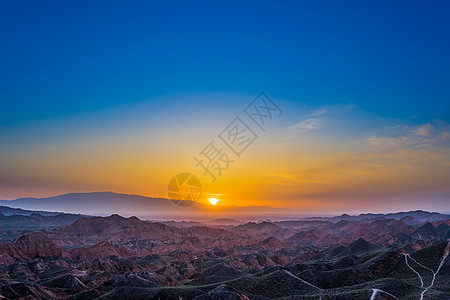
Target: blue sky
{"x":61,"y":58}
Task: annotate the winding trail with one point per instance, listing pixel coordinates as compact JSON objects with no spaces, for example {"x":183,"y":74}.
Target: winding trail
{"x":306,"y":282}
{"x":419,"y":263}
{"x":444,"y":257}
{"x":376,"y":291}
{"x":418,"y":274}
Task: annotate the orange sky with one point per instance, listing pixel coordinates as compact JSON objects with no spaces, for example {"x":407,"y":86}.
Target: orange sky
{"x":329,"y":158}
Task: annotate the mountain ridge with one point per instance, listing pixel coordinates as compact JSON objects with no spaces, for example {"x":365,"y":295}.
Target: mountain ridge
{"x":118,"y":257}
{"x":108,"y":202}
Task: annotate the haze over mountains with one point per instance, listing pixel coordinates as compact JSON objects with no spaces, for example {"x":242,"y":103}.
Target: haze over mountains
{"x":107,"y":203}
{"x":370,"y":256}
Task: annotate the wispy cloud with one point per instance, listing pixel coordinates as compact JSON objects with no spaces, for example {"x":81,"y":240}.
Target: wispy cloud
{"x":318,"y":117}
{"x":425,"y":130}
{"x":431,"y":136}
{"x":332,"y":108}
{"x":308,"y":124}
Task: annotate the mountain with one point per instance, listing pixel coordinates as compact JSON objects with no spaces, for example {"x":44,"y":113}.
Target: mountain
{"x":225,"y":222}
{"x":429,"y":232}
{"x":119,"y":257}
{"x":9,"y":211}
{"x":181,"y":224}
{"x":94,"y":203}
{"x":18,"y":222}
{"x":100,"y":250}
{"x":27,"y":247}
{"x":420,"y":215}
{"x":252,"y":229}
{"x":143,"y":237}
{"x":410,"y":221}
{"x":106,"y":203}
{"x":381,"y":232}
{"x":37,"y":221}
{"x":357,"y":247}
{"x":304,"y":224}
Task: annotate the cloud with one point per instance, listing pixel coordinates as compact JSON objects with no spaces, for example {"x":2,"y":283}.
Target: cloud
{"x":318,"y":117}
{"x":429,"y":136}
{"x":332,"y":108}
{"x":319,"y":111}
{"x":308,"y":124}
{"x":425,"y":130}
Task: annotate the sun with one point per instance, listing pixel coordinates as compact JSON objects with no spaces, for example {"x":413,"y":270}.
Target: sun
{"x":213,"y":201}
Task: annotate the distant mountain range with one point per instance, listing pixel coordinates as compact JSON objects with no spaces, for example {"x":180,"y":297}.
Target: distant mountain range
{"x":15,"y":222}
{"x":9,"y":211}
{"x":416,"y":216}
{"x":106,"y":203}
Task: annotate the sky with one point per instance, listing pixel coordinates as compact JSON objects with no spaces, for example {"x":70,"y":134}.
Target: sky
{"x":122,"y":96}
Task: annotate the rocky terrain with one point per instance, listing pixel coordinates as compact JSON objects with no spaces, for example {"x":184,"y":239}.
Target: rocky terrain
{"x":15,"y":222}
{"x":395,"y":256}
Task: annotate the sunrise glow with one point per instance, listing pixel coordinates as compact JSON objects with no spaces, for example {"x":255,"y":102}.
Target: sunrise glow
{"x":213,"y":201}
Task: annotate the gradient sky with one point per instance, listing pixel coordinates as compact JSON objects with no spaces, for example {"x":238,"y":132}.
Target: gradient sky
{"x":109,"y":96}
